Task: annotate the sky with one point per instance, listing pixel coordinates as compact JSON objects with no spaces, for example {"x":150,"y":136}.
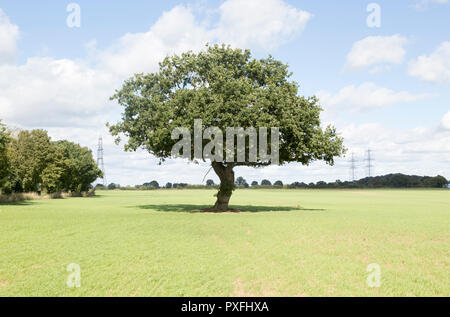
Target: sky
{"x":381,"y":71}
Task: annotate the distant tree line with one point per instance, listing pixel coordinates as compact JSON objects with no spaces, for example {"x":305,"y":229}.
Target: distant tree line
{"x":386,"y":181}
{"x":146,"y":186}
{"x":240,"y":183}
{"x":31,"y":162}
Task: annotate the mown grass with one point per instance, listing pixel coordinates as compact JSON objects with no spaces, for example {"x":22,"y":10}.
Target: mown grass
{"x":289,"y":243}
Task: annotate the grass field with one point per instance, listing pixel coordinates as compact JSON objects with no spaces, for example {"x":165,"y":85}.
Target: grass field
{"x":290,"y":243}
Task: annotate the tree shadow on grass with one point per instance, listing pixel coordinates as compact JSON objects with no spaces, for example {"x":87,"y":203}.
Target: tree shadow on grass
{"x":241,"y":208}
{"x":28,"y":202}
{"x":95,"y":196}
{"x":18,"y":203}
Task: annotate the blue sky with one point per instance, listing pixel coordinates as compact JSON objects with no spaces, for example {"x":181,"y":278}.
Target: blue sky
{"x":386,"y":87}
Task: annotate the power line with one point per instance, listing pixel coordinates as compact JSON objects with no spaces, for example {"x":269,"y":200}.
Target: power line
{"x":100,"y":162}
{"x":353,"y":167}
{"x":369,"y":162}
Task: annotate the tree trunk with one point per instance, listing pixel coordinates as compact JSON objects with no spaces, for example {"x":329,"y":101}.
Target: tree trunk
{"x":226,"y":175}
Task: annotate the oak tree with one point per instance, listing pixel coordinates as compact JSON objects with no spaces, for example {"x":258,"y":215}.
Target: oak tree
{"x":223,"y":87}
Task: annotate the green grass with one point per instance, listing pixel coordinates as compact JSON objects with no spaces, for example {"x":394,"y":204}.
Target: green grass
{"x":290,"y":243}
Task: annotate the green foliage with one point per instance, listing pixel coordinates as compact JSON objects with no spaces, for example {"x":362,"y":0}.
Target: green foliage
{"x":437,"y":182}
{"x":113,"y":186}
{"x":278,"y":184}
{"x":54,"y":173}
{"x":385,"y":181}
{"x":179,"y":185}
{"x":81,"y":170}
{"x":298,"y":185}
{"x":223,"y":87}
{"x":151,"y":185}
{"x":5,"y":139}
{"x":241,"y":182}
{"x":34,"y":162}
{"x":29,"y":154}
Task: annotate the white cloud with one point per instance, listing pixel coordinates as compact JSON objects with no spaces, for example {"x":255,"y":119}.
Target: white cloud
{"x":175,"y":32}
{"x":379,"y":68}
{"x":259,"y":24}
{"x":446,"y":121}
{"x":366,"y":96}
{"x":434,"y":67}
{"x":264,"y":24}
{"x":421,"y":151}
{"x":70,"y":98}
{"x":9,"y":34}
{"x":375,"y":50}
{"x":49,"y":92}
{"x":424,"y":4}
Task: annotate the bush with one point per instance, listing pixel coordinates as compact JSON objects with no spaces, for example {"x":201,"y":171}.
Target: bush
{"x":278,"y":184}
{"x":151,"y":185}
{"x":113,"y":186}
{"x":7,"y":188}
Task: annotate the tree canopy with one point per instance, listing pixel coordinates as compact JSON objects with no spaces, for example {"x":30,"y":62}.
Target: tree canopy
{"x":31,"y":161}
{"x":4,"y":164}
{"x":278,"y":183}
{"x":223,"y":87}
{"x":241,"y":182}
